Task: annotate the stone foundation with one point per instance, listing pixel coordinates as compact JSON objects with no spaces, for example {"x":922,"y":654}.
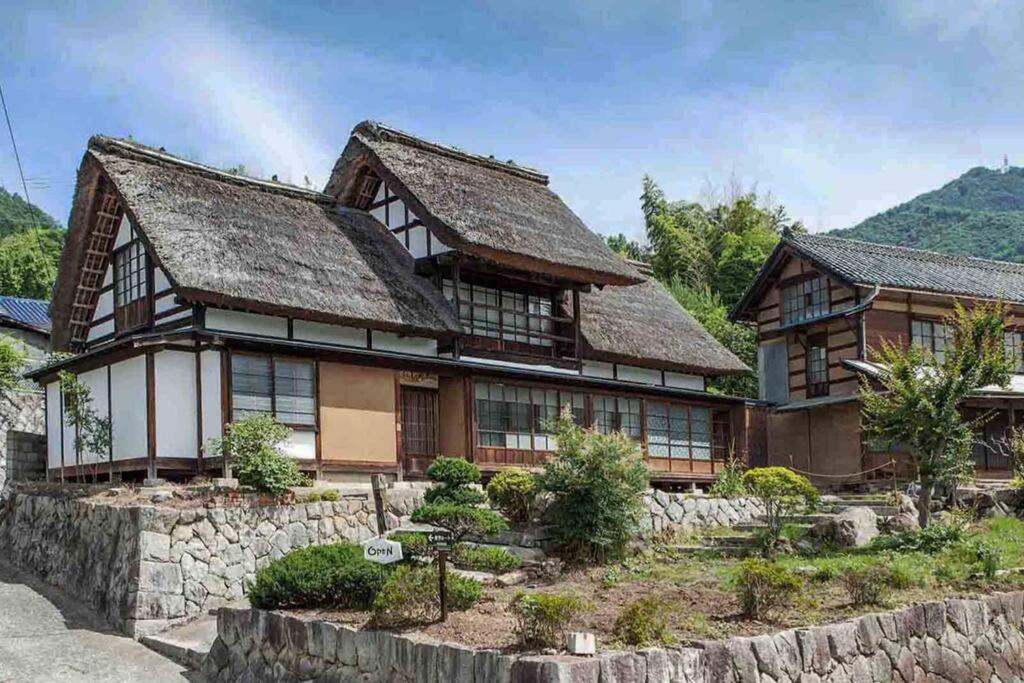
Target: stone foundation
{"x":147,"y":567}
{"x":25,"y":416}
{"x":958,"y":641}
{"x":670,"y":511}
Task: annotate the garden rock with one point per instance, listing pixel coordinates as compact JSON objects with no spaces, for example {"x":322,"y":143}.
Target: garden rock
{"x":902,"y":523}
{"x":852,"y":528}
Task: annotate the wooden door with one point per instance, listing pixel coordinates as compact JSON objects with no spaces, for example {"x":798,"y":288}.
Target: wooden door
{"x":419,"y":429}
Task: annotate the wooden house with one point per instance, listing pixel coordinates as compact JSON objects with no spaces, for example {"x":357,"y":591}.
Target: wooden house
{"x":821,"y":304}
{"x":428,"y":302}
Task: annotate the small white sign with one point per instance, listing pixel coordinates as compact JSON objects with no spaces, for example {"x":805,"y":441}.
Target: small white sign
{"x":382,"y":551}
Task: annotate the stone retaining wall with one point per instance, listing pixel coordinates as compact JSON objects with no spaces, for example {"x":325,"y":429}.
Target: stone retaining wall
{"x":958,"y":641}
{"x":25,"y":412}
{"x":146,"y":567}
{"x":669,"y":511}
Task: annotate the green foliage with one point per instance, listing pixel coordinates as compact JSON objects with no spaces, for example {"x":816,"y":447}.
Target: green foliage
{"x":454,"y":477}
{"x":460,"y":520}
{"x":981,"y":213}
{"x":318,"y":576}
{"x":990,"y":557}
{"x":930,"y":540}
{"x":920,"y":405}
{"x":512,"y":491}
{"x":17,"y":215}
{"x":597,"y":482}
{"x":730,"y":482}
{"x":329,"y":495}
{"x":493,"y":560}
{"x":414,"y":544}
{"x":13,"y":357}
{"x":868,"y":585}
{"x":29,"y":262}
{"x":764,"y":587}
{"x":629,"y":249}
{"x":253,"y":445}
{"x":782,"y":492}
{"x":644,"y":622}
{"x":542,"y":618}
{"x":92,"y":432}
{"x":411,"y":596}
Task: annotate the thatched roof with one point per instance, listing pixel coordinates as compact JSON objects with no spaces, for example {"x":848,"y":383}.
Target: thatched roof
{"x":256,"y":245}
{"x":496,"y":211}
{"x":643,"y":324}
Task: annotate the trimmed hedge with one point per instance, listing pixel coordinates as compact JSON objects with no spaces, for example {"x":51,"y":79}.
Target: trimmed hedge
{"x":318,"y":576}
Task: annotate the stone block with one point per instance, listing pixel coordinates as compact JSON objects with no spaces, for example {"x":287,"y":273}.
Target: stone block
{"x":493,"y":667}
{"x":455,"y":663}
{"x":346,"y":652}
{"x":160,"y":577}
{"x":154,"y":546}
{"x":159,"y":606}
{"x":556,"y":669}
{"x":622,"y":667}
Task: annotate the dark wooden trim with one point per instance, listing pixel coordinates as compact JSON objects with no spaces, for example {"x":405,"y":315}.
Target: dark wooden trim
{"x":151,"y":412}
{"x":110,"y":418}
{"x":163,"y":293}
{"x":199,"y":406}
{"x":360,"y":466}
{"x":96,"y":322}
{"x":60,"y":403}
{"x":317,"y":454}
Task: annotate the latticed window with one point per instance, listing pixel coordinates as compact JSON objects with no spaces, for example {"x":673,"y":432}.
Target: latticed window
{"x":1013,"y":343}
{"x":129,"y":273}
{"x":284,"y":388}
{"x":367,"y":190}
{"x":929,"y":335}
{"x":816,"y":366}
{"x":503,"y":314}
{"x":678,"y":431}
{"x":612,"y":414}
{"x":805,"y":300}
{"x":519,"y":417}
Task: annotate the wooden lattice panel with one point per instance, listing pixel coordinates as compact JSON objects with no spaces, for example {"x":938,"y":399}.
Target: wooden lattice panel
{"x":94,"y":263}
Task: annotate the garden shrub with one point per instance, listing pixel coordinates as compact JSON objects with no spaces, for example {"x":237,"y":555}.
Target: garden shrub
{"x":730,"y":482}
{"x":494,"y":560}
{"x":764,"y":587}
{"x":542,"y":618}
{"x":460,"y":520}
{"x":455,"y":477}
{"x":644,"y":622}
{"x":782,"y":492}
{"x":868,"y":585}
{"x":414,"y":544}
{"x":411,"y":596}
{"x":318,"y":576}
{"x":597,"y":483}
{"x":253,"y":445}
{"x":989,"y":557}
{"x":330,"y":495}
{"x":512,"y":491}
{"x":931,"y":539}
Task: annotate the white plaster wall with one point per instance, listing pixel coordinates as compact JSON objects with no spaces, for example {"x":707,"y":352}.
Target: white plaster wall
{"x":128,"y":408}
{"x":418,"y":241}
{"x":160,"y":281}
{"x":631,"y":373}
{"x":212,"y":418}
{"x":417,"y":346}
{"x":124,"y":233}
{"x":108,"y":277}
{"x":329,"y":334}
{"x":593,"y":368}
{"x":53,"y":425}
{"x":681,"y":381}
{"x":165,"y":304}
{"x":175,"y":404}
{"x":96,"y":381}
{"x":248,"y":323}
{"x":104,"y":305}
{"x":101,"y":330}
{"x":301,"y":445}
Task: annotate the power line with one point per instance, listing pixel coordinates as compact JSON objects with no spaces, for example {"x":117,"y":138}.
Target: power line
{"x":14,"y":144}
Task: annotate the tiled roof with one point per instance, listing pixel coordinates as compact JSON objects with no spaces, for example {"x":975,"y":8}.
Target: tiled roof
{"x":889,"y":266}
{"x":31,"y":312}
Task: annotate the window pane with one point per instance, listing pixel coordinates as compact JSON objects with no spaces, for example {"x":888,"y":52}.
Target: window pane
{"x":251,"y":385}
{"x":294,"y":395}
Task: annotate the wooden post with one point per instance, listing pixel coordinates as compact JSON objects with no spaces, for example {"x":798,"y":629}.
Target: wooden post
{"x":442,"y":584}
{"x":379,"y":501}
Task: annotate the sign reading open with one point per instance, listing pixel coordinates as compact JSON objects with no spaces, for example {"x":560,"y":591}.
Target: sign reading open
{"x":382,"y":551}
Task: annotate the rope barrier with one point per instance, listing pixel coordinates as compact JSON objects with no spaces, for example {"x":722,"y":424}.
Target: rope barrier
{"x":840,"y":476}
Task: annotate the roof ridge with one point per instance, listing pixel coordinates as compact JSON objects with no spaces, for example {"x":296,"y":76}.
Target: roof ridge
{"x":912,"y":252}
{"x":386,"y":133}
{"x":160,"y":155}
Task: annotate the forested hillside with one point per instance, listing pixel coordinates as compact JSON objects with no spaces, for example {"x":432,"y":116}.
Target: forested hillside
{"x":30,"y":244}
{"x":981,"y":213}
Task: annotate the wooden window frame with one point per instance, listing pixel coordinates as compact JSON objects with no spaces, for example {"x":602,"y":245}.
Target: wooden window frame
{"x":536,"y":429}
{"x":433,"y":405}
{"x":802,"y":293}
{"x":274,"y":358}
{"x":689,"y":446}
{"x":137,"y":312}
{"x":932,"y":323}
{"x":1015,"y":349}
{"x":816,"y":373}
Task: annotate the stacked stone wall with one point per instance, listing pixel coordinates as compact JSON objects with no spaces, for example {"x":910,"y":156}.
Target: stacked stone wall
{"x":668,"y":511}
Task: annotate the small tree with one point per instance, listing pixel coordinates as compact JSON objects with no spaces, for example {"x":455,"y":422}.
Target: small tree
{"x":92,"y":432}
{"x":453,"y":504}
{"x":597,"y":482}
{"x":253,"y":445}
{"x":782,"y":492}
{"x":921,"y":397}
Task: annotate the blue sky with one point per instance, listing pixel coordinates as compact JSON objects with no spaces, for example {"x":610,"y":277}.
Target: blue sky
{"x":838,"y":109}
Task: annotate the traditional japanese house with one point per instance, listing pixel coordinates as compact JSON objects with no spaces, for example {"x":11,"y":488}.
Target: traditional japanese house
{"x":821,"y":304}
{"x":429,"y":301}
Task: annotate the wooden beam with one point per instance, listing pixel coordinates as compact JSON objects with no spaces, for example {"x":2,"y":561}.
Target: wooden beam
{"x":151,"y":414}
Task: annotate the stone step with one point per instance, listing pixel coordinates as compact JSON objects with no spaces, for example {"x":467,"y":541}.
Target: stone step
{"x":810,"y":519}
{"x":187,"y":644}
{"x":729,"y":541}
{"x":730,"y":551}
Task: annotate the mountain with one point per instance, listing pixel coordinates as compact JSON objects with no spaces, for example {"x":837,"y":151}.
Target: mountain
{"x":17,"y":215}
{"x":981,"y":213}
{"x":30,"y":245}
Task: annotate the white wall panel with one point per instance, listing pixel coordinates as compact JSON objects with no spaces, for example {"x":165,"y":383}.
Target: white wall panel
{"x":418,"y":241}
{"x":160,"y":281}
{"x":104,"y":305}
{"x":212,"y":418}
{"x":175,"y":404}
{"x":248,"y":323}
{"x":631,"y":373}
{"x":437,"y":246}
{"x":124,"y":233}
{"x":128,"y":408}
{"x":301,"y":445}
{"x":681,"y":381}
{"x":96,"y":382}
{"x":108,"y":277}
{"x":593,"y":368}
{"x":53,"y":424}
{"x":418,"y":346}
{"x":101,"y":330}
{"x":329,"y":334}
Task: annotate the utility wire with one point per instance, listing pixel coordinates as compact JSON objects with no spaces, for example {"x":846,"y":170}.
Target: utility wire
{"x":14,"y":144}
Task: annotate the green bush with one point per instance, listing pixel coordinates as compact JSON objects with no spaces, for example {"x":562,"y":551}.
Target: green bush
{"x":597,"y":483}
{"x":411,"y":596}
{"x":318,"y":576}
{"x":730,"y":482}
{"x":782,"y":492}
{"x":494,"y":560}
{"x":456,"y":496}
{"x":460,"y":520}
{"x":542,"y":618}
{"x":989,"y":557}
{"x":512,"y":491}
{"x":330,"y":495}
{"x":253,"y":445}
{"x":931,"y":539}
{"x":414,"y":544}
{"x":869,"y":585}
{"x":453,"y":472}
{"x":644,"y":622}
{"x":764,"y":587}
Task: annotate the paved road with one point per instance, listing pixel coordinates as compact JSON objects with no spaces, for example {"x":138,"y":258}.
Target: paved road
{"x":44,"y":636}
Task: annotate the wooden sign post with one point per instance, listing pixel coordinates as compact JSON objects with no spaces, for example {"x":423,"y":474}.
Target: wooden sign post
{"x":441,"y":541}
